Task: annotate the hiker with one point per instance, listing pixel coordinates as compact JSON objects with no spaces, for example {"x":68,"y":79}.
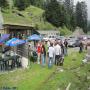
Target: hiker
{"x":39,"y":52}
{"x":62,"y":47}
{"x":48,"y":43}
{"x":57,"y":52}
{"x":43,"y":55}
{"x":51,"y":52}
{"x":65,"y":47}
{"x":81,"y":47}
{"x":46,"y":48}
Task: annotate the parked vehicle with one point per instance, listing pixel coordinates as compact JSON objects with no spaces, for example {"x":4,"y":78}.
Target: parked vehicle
{"x":50,"y":37}
{"x":61,"y":38}
{"x":77,"y":43}
{"x":71,"y":43}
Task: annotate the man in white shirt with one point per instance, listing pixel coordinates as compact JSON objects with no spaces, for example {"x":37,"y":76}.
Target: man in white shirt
{"x":51,"y":52}
{"x":57,"y":52}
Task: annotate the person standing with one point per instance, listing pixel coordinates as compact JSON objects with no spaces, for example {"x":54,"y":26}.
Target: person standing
{"x":57,"y":52}
{"x":65,"y":47}
{"x":48,"y":43}
{"x":81,"y":47}
{"x":43,"y":55}
{"x":46,"y":48}
{"x":39,"y":52}
{"x":62,"y":47}
{"x":51,"y":52}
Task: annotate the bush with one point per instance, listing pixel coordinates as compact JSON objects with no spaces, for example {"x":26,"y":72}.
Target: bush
{"x":64,"y":31}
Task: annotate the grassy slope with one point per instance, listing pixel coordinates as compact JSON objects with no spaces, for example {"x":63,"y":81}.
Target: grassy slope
{"x":29,"y":79}
{"x":74,"y":73}
{"x":32,"y":16}
{"x":35,"y":15}
{"x":38,"y":78}
{"x":12,"y":18}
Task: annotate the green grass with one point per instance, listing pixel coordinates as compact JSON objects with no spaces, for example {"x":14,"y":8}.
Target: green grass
{"x":13,"y":18}
{"x":74,"y":72}
{"x":38,"y":78}
{"x":29,"y":79}
{"x":35,"y":15}
{"x":30,"y":16}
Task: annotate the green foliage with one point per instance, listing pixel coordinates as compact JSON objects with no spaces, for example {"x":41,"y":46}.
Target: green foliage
{"x":31,"y":16}
{"x":26,"y":79}
{"x":37,"y":3}
{"x":21,"y":4}
{"x":35,"y":15}
{"x":42,"y":78}
{"x":64,"y":31}
{"x":70,"y":15}
{"x":73,"y":72}
{"x":14,"y":18}
{"x":45,"y":26}
{"x":54,"y":13}
{"x":81,"y":15}
{"x":60,"y":14}
{"x":4,"y":4}
{"x":88,"y":27}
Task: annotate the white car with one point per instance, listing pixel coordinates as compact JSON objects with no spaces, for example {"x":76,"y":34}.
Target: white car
{"x":46,"y":38}
{"x":71,"y":43}
{"x":51,"y":37}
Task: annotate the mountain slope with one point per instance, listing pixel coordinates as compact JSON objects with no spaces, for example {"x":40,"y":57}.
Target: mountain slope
{"x":30,"y":16}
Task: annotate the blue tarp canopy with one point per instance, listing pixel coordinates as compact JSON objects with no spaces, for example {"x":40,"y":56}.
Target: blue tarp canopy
{"x":14,"y":42}
{"x":4,"y":37}
{"x":35,"y":37}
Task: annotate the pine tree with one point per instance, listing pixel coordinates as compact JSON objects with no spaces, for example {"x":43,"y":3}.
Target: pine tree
{"x":81,"y":15}
{"x":37,"y":3}
{"x":70,"y":17}
{"x":54,"y":13}
{"x":21,"y":4}
{"x":88,"y":26}
{"x":4,"y":4}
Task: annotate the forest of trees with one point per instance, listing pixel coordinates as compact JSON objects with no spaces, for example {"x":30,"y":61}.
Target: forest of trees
{"x":58,"y":12}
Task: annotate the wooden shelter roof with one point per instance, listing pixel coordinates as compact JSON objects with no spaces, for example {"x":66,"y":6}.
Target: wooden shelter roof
{"x":18,"y":26}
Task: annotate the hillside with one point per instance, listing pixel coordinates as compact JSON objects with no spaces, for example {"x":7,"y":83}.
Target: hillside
{"x":30,"y":16}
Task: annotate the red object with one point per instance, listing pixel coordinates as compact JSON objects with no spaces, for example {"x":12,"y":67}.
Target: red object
{"x":39,"y":49}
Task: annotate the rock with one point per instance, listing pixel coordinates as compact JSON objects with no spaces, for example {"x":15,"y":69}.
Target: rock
{"x":88,"y":77}
{"x":58,"y":89}
{"x":84,"y":61}
{"x":60,"y":69}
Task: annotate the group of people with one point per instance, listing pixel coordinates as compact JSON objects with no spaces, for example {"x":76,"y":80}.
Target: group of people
{"x":51,"y":52}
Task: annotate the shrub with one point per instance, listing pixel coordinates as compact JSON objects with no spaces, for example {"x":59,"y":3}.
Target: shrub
{"x":64,"y":31}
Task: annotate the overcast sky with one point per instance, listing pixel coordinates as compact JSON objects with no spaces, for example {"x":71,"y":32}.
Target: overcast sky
{"x":88,"y":6}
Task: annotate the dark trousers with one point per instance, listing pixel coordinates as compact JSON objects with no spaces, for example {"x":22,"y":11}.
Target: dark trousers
{"x":80,"y":50}
{"x":56,"y":58}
